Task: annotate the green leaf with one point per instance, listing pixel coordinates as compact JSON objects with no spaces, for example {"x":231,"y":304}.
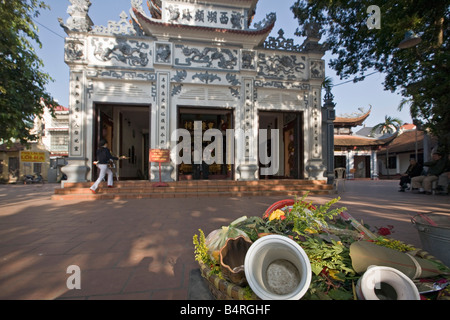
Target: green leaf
{"x":339,"y":294}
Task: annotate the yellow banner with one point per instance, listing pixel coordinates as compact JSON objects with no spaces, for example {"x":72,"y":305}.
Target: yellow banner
{"x":29,"y":156}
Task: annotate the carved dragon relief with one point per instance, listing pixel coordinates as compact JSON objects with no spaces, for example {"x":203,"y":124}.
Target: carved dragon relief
{"x":208,"y":57}
{"x":129,"y":52}
{"x":280,"y":67}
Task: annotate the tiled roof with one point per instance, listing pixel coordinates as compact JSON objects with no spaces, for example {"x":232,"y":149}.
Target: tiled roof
{"x":61,"y":108}
{"x":255,"y":32}
{"x":406,"y":142}
{"x":355,"y":141}
{"x":13,"y":148}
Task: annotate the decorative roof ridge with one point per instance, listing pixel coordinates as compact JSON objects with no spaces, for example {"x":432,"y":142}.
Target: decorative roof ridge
{"x":354,"y":119}
{"x":348,"y":136}
{"x":124,"y":26}
{"x":282,"y":43}
{"x":266,"y":29}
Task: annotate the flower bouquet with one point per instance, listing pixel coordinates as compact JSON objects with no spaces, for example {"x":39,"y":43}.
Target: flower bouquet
{"x":326,"y":235}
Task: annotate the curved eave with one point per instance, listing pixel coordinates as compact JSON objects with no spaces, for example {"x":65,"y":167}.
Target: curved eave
{"x":354,"y":122}
{"x":159,"y":29}
{"x":353,"y":141}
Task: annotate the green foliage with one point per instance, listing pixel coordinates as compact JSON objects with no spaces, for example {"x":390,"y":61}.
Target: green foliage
{"x":332,"y":256}
{"x":309,"y":219}
{"x":393,"y":244}
{"x":390,"y":125}
{"x":332,"y":269}
{"x":421,"y":74}
{"x":201,"y":252}
{"x":200,"y":248}
{"x":22,"y":84}
{"x":252,"y":226}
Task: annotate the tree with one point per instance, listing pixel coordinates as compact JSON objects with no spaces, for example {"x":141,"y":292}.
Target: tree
{"x":22,"y":84}
{"x":420,"y":74}
{"x":390,"y":125}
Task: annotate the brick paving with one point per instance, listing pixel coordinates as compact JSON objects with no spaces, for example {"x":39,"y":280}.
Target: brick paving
{"x":142,"y":248}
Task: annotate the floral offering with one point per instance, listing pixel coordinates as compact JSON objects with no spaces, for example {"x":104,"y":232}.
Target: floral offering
{"x":326,"y":235}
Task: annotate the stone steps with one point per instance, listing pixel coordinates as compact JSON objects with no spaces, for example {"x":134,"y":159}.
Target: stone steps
{"x":198,"y":188}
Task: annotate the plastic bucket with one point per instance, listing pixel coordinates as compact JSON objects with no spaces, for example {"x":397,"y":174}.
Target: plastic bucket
{"x":434,"y":233}
{"x":277,"y":268}
{"x":385,"y":283}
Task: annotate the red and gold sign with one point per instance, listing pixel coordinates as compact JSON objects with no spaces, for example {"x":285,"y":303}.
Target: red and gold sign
{"x":159,"y":155}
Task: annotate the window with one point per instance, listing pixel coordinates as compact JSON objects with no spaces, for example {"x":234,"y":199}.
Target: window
{"x":37,"y":167}
{"x":13,"y":164}
{"x":392,"y":162}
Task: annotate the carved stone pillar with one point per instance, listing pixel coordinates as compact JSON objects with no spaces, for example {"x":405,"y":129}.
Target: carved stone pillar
{"x":328,"y":116}
{"x":163,"y":126}
{"x":77,"y":168}
{"x":76,"y":25}
{"x":248,"y":166}
{"x":315,"y":166}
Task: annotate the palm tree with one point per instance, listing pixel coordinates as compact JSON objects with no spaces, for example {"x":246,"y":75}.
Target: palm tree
{"x":390,"y":125}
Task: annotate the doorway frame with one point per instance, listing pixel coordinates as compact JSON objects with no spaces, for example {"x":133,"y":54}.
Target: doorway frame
{"x":207,"y":110}
{"x":96,"y":130}
{"x":299,"y":131}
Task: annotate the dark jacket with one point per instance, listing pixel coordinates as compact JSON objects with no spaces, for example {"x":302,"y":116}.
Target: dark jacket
{"x":104,"y":155}
{"x":414,"y":170}
{"x":435,"y":168}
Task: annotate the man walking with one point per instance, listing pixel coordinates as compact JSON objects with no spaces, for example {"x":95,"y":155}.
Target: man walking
{"x":103,"y":158}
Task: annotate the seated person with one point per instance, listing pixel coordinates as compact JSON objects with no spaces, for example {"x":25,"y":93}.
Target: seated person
{"x":444,"y":179}
{"x":435,"y":168}
{"x":414,"y":170}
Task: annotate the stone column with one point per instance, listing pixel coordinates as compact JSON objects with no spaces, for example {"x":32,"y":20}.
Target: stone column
{"x":328,"y":116}
{"x":77,"y":167}
{"x":163,"y":127}
{"x":77,"y":25}
{"x":248,"y":166}
{"x":315,"y":166}
{"x":374,"y":164}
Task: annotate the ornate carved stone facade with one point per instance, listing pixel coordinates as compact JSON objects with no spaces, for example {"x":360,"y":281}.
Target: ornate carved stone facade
{"x":186,"y":54}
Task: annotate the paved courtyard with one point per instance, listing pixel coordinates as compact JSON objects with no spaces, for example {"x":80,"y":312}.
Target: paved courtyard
{"x":142,"y":249}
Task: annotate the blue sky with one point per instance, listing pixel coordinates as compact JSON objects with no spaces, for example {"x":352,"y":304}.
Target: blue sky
{"x":349,"y":97}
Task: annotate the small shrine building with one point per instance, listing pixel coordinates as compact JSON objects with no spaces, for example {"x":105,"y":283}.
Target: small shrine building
{"x":178,"y":74}
{"x":357,"y":153}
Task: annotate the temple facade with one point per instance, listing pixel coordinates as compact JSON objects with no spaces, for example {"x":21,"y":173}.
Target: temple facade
{"x":179,"y":75}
